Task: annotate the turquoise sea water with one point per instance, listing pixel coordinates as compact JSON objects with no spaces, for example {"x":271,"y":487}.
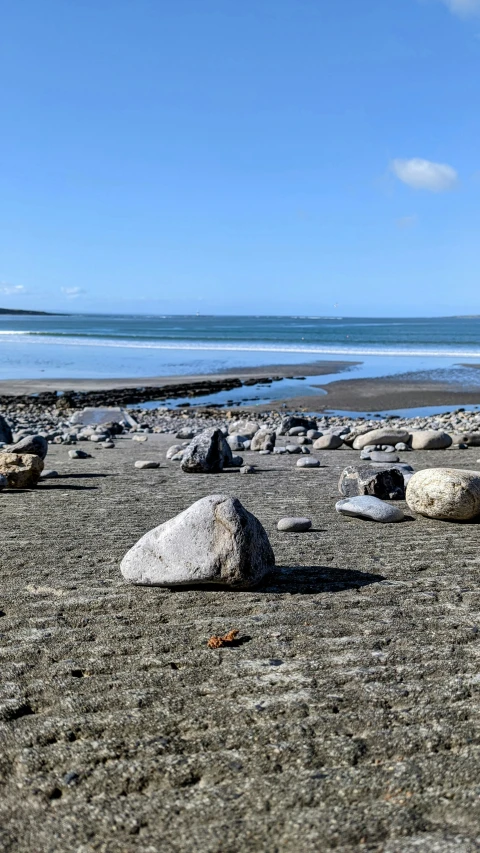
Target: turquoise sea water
{"x":120,"y":346}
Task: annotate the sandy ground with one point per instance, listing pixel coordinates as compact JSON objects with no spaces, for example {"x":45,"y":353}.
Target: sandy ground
{"x":346,"y":720}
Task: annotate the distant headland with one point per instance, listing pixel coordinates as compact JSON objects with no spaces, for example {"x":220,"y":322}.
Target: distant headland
{"x":36,"y":313}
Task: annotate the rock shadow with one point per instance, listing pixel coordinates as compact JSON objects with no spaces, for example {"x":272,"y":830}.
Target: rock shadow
{"x":308,"y":580}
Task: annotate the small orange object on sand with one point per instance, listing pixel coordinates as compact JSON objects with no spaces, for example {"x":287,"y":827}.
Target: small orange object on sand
{"x":217,"y":642}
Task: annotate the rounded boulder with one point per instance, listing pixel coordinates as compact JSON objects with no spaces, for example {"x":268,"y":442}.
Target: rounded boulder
{"x":447,"y":494}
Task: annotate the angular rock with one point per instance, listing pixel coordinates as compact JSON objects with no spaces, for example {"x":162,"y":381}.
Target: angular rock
{"x":144,"y":464}
{"x":430,"y":439}
{"x":21,"y":470}
{"x":369,"y":507}
{"x":294,"y":525}
{"x":263,"y":440}
{"x":5,"y":431}
{"x":214,"y":541}
{"x":35,"y":444}
{"x":328,"y":441}
{"x":380,"y":436}
{"x":386,"y":483}
{"x":208,"y":453}
{"x":308,"y":463}
{"x":448,"y":494}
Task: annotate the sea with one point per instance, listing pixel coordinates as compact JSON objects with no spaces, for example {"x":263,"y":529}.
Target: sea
{"x":119,"y":346}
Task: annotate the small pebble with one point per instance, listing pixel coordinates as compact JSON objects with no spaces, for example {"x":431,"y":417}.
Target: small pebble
{"x":247,"y":469}
{"x":140,"y":438}
{"x":293,"y":448}
{"x":370,"y":508}
{"x":49,"y":475}
{"x":294,"y":525}
{"x":308,"y":463}
{"x":79,"y":454}
{"x":140,"y":463}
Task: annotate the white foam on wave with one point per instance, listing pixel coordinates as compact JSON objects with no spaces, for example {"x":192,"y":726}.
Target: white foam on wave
{"x":232,"y":346}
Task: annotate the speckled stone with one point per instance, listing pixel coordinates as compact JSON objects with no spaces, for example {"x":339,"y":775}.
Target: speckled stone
{"x":449,"y":494}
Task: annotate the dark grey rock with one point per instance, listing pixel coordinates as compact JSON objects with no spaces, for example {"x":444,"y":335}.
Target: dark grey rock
{"x":293,"y":448}
{"x":5,"y":431}
{"x":292,"y":421}
{"x":36,"y":444}
{"x":385,"y":482}
{"x":208,"y":453}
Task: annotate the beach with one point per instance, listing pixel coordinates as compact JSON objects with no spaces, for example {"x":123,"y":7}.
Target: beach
{"x":346,"y":718}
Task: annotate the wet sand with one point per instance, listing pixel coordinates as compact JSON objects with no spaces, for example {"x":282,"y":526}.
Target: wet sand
{"x":346,"y":720}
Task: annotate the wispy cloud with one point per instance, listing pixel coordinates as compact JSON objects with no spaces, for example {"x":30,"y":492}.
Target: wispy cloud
{"x":12,"y":289}
{"x":73,"y":292}
{"x":425,"y":175}
{"x":464,"y":8}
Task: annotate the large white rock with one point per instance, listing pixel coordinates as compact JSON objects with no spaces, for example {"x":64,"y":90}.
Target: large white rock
{"x":445,"y":493}
{"x":214,"y":541}
{"x":430,"y":439}
{"x":246,"y":428}
{"x":384,"y":435}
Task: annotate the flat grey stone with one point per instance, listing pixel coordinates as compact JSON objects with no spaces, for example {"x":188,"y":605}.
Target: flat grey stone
{"x":369,"y":507}
{"x":173,"y":450}
{"x":293,"y":448}
{"x":308,"y":463}
{"x":381,"y":436}
{"x":214,"y":541}
{"x":49,"y":474}
{"x":383,"y":456}
{"x":146,"y":463}
{"x":107,"y":445}
{"x":294,"y":525}
{"x":297,"y":430}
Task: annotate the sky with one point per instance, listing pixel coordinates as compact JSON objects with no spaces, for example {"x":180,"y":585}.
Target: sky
{"x":254,"y":157}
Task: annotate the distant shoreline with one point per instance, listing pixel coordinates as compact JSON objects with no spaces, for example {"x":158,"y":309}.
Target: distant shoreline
{"x":18,"y":311}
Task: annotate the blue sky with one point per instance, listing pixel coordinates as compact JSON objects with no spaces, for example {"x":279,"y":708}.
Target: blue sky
{"x":268,"y":156}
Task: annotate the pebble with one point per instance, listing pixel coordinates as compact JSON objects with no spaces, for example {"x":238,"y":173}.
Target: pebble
{"x":308,"y":463}
{"x":383,"y":456}
{"x":430,"y":439}
{"x":49,"y":474}
{"x":145,"y":463}
{"x":329,"y":441}
{"x":140,"y":438}
{"x":79,"y":454}
{"x":293,"y":448}
{"x":247,"y":469}
{"x":371,"y":508}
{"x":108,"y":445}
{"x":294,"y":525}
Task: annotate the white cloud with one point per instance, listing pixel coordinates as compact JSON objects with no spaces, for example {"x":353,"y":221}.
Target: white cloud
{"x":11,"y":289}
{"x":73,"y":292}
{"x":464,"y":8}
{"x":425,"y":175}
